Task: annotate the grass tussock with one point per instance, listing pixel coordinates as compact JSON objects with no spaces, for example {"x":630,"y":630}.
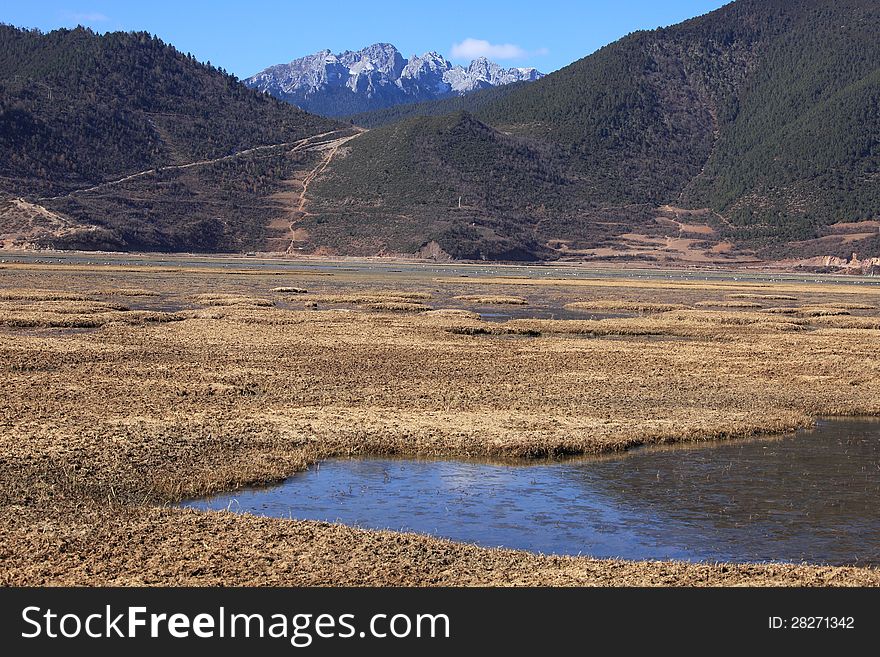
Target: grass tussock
{"x":844,"y":305}
{"x":232,"y":300}
{"x":822,"y":312}
{"x":40,"y":295}
{"x":25,"y":319}
{"x":454,"y":313}
{"x":768,"y":297}
{"x":495,"y":329}
{"x":781,"y":310}
{"x":407,"y":294}
{"x":586,"y":327}
{"x":397,"y":307}
{"x":381,"y":296}
{"x":695,"y":325}
{"x":612,"y":305}
{"x":727,"y":304}
{"x":846,"y":322}
{"x":291,"y":290}
{"x":492,"y":300}
{"x":63,"y":307}
{"x":727,"y":318}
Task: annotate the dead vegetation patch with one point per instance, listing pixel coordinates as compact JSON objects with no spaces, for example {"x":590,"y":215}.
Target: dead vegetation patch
{"x":40,"y":295}
{"x":727,"y":318}
{"x":397,"y":307}
{"x":781,"y":310}
{"x":63,"y":307}
{"x":624,"y":306}
{"x":847,"y":322}
{"x":382,"y":296}
{"x":751,"y":295}
{"x":822,"y":312}
{"x":492,"y":300}
{"x":232,"y":300}
{"x":844,"y":305}
{"x":495,"y":329}
{"x":90,"y":544}
{"x":37,"y":319}
{"x":125,"y":292}
{"x":292,"y":290}
{"x":727,"y":304}
{"x":455,"y":313}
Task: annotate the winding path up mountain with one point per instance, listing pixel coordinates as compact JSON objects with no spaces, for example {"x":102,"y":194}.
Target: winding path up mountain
{"x":332,"y":147}
{"x":297,"y":145}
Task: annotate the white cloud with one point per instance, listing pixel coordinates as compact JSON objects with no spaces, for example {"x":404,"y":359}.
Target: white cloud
{"x":473,"y":48}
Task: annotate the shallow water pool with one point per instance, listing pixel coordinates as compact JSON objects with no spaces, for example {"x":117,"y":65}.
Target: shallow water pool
{"x":812,"y":496}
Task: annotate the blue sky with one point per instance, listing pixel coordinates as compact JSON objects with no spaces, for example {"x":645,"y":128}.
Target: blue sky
{"x":246,"y":36}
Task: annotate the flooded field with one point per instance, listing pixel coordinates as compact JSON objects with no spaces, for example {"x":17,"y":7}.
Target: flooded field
{"x":416,"y":268}
{"x":811,"y":496}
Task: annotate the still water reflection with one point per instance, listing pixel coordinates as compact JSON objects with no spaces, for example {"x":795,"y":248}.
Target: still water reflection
{"x":812,"y":496}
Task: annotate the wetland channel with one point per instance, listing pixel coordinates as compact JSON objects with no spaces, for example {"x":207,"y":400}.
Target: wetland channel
{"x":811,"y":496}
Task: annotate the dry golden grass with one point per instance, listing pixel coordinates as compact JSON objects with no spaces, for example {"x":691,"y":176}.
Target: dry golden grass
{"x":232,"y":300}
{"x":729,"y":318}
{"x":780,"y":297}
{"x":843,"y":305}
{"x":125,"y":292}
{"x":822,"y":312}
{"x":93,"y":544}
{"x":781,"y":310}
{"x":62,"y":307}
{"x":454,"y":313}
{"x":372,"y":296}
{"x":508,"y":328}
{"x":98,"y":426}
{"x":727,"y":304}
{"x":673,"y":288}
{"x":71,"y":319}
{"x":846,"y":322}
{"x":397,"y":306}
{"x":492,"y":300}
{"x":40,"y":295}
{"x":293,"y":290}
{"x":612,"y":305}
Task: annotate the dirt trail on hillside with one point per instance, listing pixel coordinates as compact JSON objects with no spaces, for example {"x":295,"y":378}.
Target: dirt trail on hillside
{"x":297,"y":145}
{"x":332,"y":148}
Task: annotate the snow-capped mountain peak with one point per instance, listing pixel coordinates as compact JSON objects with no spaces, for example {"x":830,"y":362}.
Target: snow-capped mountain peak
{"x":378,"y":76}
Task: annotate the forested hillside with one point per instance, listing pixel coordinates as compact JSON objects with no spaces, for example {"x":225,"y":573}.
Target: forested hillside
{"x":78,"y":109}
{"x":765,"y":111}
{"x":752,"y":132}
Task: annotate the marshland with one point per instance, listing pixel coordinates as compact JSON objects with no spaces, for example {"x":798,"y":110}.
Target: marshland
{"x":133,"y":384}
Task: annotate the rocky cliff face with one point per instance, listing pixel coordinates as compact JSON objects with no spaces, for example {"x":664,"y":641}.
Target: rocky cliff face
{"x":377,"y":77}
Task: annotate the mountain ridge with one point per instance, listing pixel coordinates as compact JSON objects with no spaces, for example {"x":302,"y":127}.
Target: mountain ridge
{"x":79,"y":111}
{"x":762,"y":116}
{"x":749,"y":134}
{"x":378,"y":76}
